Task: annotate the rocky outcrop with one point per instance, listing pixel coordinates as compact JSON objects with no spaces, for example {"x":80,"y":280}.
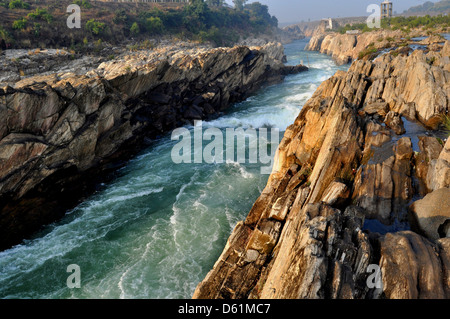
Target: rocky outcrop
{"x":430,"y":214}
{"x":411,"y":86}
{"x":383,"y":186}
{"x":59,"y":131}
{"x":19,"y":64}
{"x":290,"y":33}
{"x":345,"y":48}
{"x":315,"y":43}
{"x":413,"y":267}
{"x":346,"y":162}
{"x":438,"y":174}
{"x":339,"y":47}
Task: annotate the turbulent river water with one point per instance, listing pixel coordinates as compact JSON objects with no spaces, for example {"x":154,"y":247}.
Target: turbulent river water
{"x":157,"y":229}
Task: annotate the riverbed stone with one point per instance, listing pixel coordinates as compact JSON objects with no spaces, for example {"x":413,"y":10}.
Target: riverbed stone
{"x":412,"y":267}
{"x":429,"y":213}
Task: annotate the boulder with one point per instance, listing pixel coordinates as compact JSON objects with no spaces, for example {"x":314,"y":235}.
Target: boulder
{"x":438,"y":174}
{"x":394,"y":122}
{"x":383,"y":186}
{"x":324,"y":254}
{"x":315,"y":43}
{"x":430,"y":149}
{"x":380,"y":108}
{"x":431,"y":212}
{"x":336,"y":193}
{"x":412,"y":267}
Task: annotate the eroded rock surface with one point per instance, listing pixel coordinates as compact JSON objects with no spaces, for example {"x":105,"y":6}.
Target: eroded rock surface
{"x":413,"y":267}
{"x":342,"y":162}
{"x":61,"y":130}
{"x":431,"y":213}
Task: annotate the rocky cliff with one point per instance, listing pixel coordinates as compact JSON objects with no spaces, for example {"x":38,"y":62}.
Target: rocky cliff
{"x":345,"y":48}
{"x":61,"y":131}
{"x":343,"y":213}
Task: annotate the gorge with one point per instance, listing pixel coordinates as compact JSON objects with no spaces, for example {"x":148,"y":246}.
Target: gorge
{"x":146,"y":233}
{"x":351,"y":187}
{"x":338,"y":202}
{"x":63,"y":129}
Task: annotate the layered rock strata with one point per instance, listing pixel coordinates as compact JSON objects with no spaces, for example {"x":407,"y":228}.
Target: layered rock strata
{"x":341,"y":166}
{"x":345,"y":48}
{"x":61,"y":131}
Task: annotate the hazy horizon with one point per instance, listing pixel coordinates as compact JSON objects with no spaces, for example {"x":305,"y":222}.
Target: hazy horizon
{"x":289,"y":11}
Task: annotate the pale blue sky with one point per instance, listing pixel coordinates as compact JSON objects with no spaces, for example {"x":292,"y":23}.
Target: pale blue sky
{"x":297,"y":10}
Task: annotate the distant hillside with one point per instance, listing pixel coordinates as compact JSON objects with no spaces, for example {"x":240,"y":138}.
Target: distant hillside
{"x":32,"y":24}
{"x":429,"y":7}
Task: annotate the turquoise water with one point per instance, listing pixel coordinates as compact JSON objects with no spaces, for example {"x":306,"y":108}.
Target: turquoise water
{"x":158,"y":228}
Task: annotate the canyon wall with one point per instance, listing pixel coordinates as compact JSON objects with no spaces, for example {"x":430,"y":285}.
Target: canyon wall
{"x":345,"y":48}
{"x":348,"y":162}
{"x":61,"y":132}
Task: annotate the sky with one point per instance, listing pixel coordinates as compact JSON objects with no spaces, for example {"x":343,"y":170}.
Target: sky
{"x":298,"y":10}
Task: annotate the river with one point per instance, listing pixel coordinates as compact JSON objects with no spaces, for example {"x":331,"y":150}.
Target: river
{"x":157,"y":229}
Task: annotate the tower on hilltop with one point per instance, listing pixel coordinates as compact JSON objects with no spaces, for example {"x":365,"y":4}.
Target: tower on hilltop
{"x":386,"y":9}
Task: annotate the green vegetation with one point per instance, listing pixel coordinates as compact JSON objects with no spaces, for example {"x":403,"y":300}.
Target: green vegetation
{"x":369,"y":51}
{"x":204,"y":22}
{"x":37,"y":29}
{"x":201,"y":20}
{"x":446,"y":123}
{"x":357,"y":26}
{"x":154,"y":25}
{"x":212,"y":34}
{"x":20,"y":24}
{"x":402,"y":23}
{"x":120,"y":17}
{"x":146,"y":44}
{"x":431,"y":60}
{"x":135,"y":29}
{"x":395,"y":53}
{"x":95,"y":27}
{"x":215,"y":3}
{"x":3,"y":33}
{"x":239,"y":4}
{"x":98,"y":45}
{"x":84,"y":4}
{"x":408,"y":23}
{"x":429,"y":6}
{"x":40,"y":14}
{"x":18,"y":4}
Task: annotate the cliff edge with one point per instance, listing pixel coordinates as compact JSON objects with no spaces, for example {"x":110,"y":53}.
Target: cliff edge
{"x":60,"y":132}
{"x":349,"y":162}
